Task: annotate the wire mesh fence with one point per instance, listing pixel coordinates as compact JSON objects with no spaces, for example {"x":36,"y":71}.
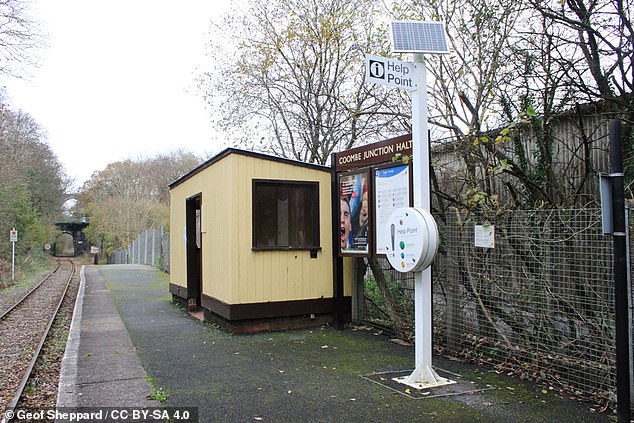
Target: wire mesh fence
{"x":150,"y":247}
{"x":539,"y":304}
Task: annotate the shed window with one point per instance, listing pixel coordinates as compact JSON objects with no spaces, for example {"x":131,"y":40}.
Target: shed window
{"x":285,"y":215}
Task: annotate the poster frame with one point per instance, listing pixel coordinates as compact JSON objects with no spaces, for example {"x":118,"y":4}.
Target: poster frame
{"x":357,"y":228}
{"x":394,"y":164}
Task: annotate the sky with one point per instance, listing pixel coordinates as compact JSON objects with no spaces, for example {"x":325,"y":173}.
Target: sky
{"x":117,"y":80}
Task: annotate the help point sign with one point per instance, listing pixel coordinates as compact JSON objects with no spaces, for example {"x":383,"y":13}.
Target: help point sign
{"x":412,"y":236}
{"x":392,"y":73}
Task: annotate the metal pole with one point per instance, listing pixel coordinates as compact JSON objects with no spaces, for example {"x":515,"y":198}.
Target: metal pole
{"x":153,"y":248}
{"x":422,"y":199}
{"x":145,"y":245}
{"x":629,"y":296}
{"x":12,"y":261}
{"x":621,"y":312}
{"x":423,"y":376}
{"x":161,"y":250}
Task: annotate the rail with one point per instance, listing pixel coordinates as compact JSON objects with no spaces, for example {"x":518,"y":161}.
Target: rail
{"x":27,"y":373}
{"x":33,"y":289}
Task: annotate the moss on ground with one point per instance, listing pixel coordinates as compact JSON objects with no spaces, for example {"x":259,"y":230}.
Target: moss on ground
{"x":308,"y":374}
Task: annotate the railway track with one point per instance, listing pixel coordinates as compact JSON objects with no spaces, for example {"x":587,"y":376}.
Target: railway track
{"x":23,"y":330}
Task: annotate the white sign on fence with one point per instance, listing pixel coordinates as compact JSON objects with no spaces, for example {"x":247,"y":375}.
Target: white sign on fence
{"x":484,"y":236}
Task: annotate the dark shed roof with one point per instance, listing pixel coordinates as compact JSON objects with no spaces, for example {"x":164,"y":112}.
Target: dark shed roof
{"x":232,"y":150}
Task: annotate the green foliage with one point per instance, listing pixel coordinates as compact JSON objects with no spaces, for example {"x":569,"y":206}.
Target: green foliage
{"x":505,"y":135}
{"x":373,"y":292}
{"x":404,"y":158}
{"x":32,"y":187}
{"x":157,"y":393}
{"x":501,"y":167}
{"x":17,"y":211}
{"x":477,"y":198}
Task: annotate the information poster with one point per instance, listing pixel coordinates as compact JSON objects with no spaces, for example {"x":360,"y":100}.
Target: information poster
{"x":391,"y":193}
{"x":354,"y":213}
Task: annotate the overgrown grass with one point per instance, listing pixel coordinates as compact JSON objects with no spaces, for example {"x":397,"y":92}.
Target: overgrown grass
{"x":25,"y":270}
{"x":157,"y":393}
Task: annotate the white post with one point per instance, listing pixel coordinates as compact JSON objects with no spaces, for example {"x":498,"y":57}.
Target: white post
{"x":423,"y":376}
{"x":422,"y":199}
{"x":12,"y":261}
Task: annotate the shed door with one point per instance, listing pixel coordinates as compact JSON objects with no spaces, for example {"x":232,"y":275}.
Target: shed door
{"x":194,"y":251}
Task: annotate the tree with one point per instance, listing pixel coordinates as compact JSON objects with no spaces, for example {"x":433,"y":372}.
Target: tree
{"x":131,"y":196}
{"x":514,"y":70}
{"x":595,"y":47}
{"x":164,"y":169}
{"x":32,"y":181}
{"x":295,"y":86}
{"x":465,"y":90}
{"x":28,"y":160}
{"x":19,"y":38}
{"x":598,"y":34}
{"x":16,"y":211}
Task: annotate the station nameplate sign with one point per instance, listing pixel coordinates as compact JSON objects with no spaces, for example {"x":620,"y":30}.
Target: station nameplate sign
{"x":379,"y":152}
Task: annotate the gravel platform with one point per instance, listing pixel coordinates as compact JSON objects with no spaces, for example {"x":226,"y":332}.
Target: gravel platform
{"x":310,"y":375}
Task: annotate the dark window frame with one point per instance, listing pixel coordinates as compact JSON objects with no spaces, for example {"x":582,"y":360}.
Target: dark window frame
{"x":314,"y":210}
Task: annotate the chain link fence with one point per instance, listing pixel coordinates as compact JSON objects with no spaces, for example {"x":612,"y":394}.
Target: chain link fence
{"x":150,"y":247}
{"x":540,"y":304}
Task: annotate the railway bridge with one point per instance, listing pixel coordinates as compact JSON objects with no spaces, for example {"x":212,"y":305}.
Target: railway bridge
{"x":72,"y":239}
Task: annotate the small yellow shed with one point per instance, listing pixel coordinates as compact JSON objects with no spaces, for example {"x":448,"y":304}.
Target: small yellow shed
{"x":251,"y":242}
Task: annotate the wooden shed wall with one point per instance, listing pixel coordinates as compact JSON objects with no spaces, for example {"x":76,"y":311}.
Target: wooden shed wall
{"x":218,"y":221}
{"x":178,"y":265}
{"x":231,"y":271}
{"x":263,"y":276}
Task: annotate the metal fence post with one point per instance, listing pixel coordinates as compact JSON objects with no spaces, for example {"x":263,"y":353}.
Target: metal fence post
{"x":145,"y":245}
{"x":621,"y":307}
{"x":629,"y":296}
{"x":153,"y":246}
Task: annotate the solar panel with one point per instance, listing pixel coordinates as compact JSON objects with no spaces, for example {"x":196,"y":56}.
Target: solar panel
{"x":419,"y":37}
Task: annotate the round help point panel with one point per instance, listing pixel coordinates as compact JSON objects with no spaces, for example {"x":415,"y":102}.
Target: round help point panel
{"x":412,"y":237}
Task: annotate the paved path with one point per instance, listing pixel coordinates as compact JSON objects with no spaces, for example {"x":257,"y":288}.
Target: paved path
{"x":100,"y":367}
{"x":319,"y":375}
